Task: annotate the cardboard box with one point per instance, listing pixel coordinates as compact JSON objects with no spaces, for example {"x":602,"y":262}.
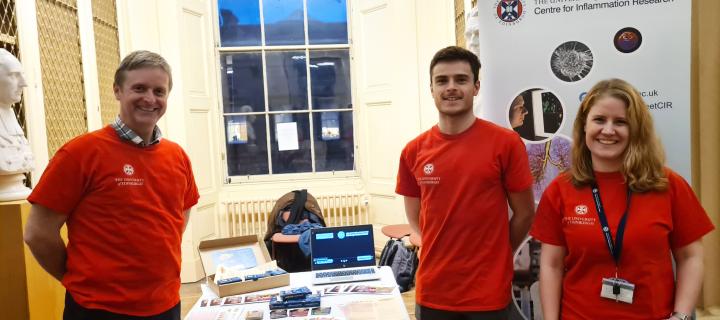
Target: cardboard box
{"x":238,"y":250}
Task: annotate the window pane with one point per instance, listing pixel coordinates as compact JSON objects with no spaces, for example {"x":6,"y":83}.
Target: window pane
{"x":286,"y":80}
{"x":290,"y":143}
{"x":330,"y":79}
{"x":242,"y":82}
{"x":284,"y":22}
{"x":334,"y":147}
{"x":327,"y":21}
{"x":239,"y":23}
{"x":246,"y":145}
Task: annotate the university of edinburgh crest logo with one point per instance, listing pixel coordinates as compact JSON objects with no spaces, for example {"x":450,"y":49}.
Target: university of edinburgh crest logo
{"x":581,"y":209}
{"x":428,"y":168}
{"x":509,"y":12}
{"x":128,"y":169}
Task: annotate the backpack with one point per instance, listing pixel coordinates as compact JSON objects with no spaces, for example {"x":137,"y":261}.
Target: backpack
{"x":402,"y":261}
{"x":301,"y":204}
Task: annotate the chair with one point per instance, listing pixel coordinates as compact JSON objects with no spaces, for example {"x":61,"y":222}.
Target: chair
{"x":291,"y":208}
{"x":403,"y":260}
{"x":399,"y":231}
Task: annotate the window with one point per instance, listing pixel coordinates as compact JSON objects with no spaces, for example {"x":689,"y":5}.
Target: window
{"x":285,"y":78}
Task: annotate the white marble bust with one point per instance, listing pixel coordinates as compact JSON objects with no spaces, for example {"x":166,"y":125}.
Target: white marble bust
{"x":15,"y":155}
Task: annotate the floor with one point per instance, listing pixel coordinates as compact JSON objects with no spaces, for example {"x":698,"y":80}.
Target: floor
{"x":190,"y":293}
{"x":409,"y":299}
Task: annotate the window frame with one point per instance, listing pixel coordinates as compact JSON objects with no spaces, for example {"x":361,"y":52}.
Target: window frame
{"x":263,"y":49}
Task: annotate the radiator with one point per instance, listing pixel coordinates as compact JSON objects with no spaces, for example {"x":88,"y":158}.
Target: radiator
{"x":248,"y":217}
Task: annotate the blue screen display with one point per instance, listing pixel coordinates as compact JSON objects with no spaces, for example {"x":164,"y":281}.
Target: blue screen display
{"x":342,"y":247}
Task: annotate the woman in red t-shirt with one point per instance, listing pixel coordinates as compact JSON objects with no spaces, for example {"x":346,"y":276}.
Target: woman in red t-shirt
{"x":610,"y":224}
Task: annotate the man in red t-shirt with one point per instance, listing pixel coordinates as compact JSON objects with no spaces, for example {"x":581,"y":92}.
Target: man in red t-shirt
{"x":125,"y":195}
{"x":457,"y":180}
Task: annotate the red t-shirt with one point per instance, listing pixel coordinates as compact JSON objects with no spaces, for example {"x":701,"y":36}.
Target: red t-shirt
{"x":125,"y":209}
{"x":657,"y":223}
{"x":462,"y":181}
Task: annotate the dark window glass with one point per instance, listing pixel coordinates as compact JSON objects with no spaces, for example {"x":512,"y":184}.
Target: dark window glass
{"x":248,"y":77}
{"x":246,"y":145}
{"x":334,"y":147}
{"x":242,"y":82}
{"x":327,"y":21}
{"x":284,"y":22}
{"x":286,"y":80}
{"x":330,"y":79}
{"x":290,"y":143}
{"x":239,"y":23}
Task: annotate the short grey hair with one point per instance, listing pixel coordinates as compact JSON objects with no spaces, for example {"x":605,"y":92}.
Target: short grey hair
{"x":141,"y":59}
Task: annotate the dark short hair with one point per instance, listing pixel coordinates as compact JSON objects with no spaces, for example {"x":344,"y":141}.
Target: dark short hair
{"x":138,"y":60}
{"x":455,"y":53}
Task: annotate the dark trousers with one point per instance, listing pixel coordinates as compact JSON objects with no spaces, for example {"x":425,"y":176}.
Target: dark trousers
{"x":74,"y":311}
{"x":425,"y":313}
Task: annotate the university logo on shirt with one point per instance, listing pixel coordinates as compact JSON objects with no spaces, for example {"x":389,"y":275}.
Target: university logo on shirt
{"x":428,"y":168}
{"x":581,"y":209}
{"x":127,"y":181}
{"x":428,"y":179}
{"x":128,"y":169}
{"x":579,"y":218}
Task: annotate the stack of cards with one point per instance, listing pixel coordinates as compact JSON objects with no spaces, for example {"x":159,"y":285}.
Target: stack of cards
{"x":308,"y":301}
{"x":295,"y":298}
{"x":295,"y":294}
{"x":358,"y":288}
{"x":227,"y":275}
{"x":254,"y":315}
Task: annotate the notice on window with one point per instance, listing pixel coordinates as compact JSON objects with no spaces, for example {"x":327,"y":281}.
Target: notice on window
{"x":330,"y":126}
{"x":287,"y":136}
{"x":237,"y":132}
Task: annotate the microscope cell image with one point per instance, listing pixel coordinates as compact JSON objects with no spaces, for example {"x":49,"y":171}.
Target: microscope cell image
{"x":571,"y":61}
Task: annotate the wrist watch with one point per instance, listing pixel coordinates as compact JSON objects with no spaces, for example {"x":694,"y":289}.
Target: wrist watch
{"x":680,"y":315}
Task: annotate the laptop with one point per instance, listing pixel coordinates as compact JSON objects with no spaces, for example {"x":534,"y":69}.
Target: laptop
{"x":343,"y":254}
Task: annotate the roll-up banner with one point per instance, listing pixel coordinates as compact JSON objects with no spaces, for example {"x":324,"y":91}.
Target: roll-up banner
{"x":540,"y":57}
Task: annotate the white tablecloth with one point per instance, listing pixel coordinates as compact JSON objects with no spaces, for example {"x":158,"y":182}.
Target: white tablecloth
{"x":304,"y":279}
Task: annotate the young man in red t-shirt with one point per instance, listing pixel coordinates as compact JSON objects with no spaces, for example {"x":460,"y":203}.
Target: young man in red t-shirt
{"x":457,"y":179}
{"x":125,"y":195}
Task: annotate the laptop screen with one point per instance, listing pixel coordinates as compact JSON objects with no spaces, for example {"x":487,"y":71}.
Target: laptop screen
{"x":342,"y":247}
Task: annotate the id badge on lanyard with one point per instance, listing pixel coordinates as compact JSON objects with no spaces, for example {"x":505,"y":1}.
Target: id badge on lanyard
{"x":615,"y":288}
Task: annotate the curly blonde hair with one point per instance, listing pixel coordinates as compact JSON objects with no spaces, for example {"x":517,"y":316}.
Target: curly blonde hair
{"x":644,"y":157}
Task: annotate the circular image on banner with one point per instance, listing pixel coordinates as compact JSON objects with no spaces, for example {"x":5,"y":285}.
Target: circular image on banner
{"x":509,"y":10}
{"x":571,"y":61}
{"x":582,"y":95}
{"x":627,"y":40}
{"x":525,"y":285}
{"x":536,"y":114}
{"x":547,"y":161}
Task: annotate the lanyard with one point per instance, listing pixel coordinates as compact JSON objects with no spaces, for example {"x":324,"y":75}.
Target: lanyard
{"x":615,"y":247}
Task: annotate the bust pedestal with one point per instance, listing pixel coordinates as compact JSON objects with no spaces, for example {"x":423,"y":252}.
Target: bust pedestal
{"x":12,"y":187}
{"x":26,"y":290}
